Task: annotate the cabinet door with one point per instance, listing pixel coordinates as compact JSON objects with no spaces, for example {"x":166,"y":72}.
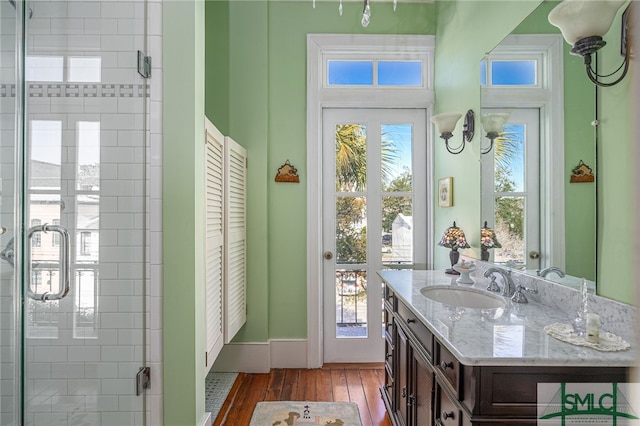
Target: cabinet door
{"x":421,"y":397}
{"x":402,"y":374}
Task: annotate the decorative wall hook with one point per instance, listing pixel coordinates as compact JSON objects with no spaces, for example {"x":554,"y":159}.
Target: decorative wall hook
{"x":582,"y":173}
{"x":287,"y":173}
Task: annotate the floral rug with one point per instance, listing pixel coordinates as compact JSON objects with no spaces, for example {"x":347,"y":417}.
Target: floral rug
{"x":289,"y":413}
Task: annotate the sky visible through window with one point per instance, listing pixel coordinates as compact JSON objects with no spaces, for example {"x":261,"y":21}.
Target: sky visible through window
{"x":509,"y":73}
{"x":360,"y":73}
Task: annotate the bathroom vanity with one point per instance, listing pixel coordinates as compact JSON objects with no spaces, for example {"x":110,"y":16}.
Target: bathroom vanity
{"x":448,"y":365}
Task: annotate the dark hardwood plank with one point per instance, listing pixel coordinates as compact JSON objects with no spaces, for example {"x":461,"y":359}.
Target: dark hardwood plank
{"x":276,"y":383}
{"x":290,"y":385}
{"x":307,"y":386}
{"x":228,"y":403}
{"x":358,"y":383}
{"x":356,"y":394}
{"x":371,"y":386}
{"x":241,"y":415}
{"x":324,"y":388}
{"x":339,"y":384}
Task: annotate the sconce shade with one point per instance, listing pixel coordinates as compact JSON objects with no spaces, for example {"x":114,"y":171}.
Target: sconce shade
{"x":580,"y":19}
{"x":446,"y":122}
{"x":494,"y":122}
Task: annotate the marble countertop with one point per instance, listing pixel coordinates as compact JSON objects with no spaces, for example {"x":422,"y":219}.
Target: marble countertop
{"x":513,"y":335}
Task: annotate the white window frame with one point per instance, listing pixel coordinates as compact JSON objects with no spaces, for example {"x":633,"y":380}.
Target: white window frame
{"x":549,"y":98}
{"x":321,"y":48}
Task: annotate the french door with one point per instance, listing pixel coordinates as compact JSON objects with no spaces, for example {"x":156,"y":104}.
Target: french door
{"x":511,"y":189}
{"x":374,"y":217}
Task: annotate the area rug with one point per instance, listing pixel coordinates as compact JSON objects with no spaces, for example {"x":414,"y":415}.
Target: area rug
{"x":288,"y":413}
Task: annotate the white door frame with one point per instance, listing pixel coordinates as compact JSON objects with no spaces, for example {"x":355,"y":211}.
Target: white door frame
{"x":320,"y":97}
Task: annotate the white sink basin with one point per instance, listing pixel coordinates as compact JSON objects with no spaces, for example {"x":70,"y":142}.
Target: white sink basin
{"x":463,"y":297}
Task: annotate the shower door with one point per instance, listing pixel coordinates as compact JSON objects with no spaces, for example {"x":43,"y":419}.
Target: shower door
{"x":73,"y":203}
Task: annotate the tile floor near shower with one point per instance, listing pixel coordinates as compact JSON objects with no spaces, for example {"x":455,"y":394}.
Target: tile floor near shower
{"x":217,"y":387}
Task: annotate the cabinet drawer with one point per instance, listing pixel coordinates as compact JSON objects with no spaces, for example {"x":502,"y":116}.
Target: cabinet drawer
{"x":388,"y":384}
{"x":388,"y":356}
{"x":419,"y":330}
{"x":449,"y":366}
{"x":389,"y":326}
{"x":446,"y":412}
{"x":389,"y":297}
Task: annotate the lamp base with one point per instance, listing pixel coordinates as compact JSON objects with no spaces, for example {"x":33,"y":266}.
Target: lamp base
{"x":454,"y":256}
{"x":484,"y":255}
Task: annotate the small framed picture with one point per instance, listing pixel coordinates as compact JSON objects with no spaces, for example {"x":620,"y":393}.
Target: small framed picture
{"x":445,"y":192}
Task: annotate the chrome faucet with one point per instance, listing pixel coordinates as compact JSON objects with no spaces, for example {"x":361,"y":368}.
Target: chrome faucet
{"x":543,"y":273}
{"x":507,"y":283}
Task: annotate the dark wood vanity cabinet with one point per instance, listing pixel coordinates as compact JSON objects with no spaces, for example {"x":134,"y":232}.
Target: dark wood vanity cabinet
{"x":425,"y":384}
{"x":408,"y":392}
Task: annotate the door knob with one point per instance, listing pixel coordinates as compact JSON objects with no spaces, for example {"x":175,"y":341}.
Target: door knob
{"x":534,"y":255}
{"x":328,"y":255}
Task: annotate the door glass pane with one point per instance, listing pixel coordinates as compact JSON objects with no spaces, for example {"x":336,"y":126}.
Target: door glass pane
{"x":351,"y":230}
{"x":351,"y":157}
{"x":510,"y":159}
{"x":509,"y":227}
{"x":396,"y":158}
{"x":351,"y":303}
{"x":397,"y":230}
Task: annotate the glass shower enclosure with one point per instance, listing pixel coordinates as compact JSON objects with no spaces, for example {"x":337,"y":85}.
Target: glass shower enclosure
{"x":72,"y":212}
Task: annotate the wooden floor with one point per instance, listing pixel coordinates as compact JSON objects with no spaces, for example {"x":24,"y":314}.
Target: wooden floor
{"x":334,"y":382}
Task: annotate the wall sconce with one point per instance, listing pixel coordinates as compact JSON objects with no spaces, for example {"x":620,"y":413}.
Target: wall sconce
{"x":446,"y":123}
{"x":492,"y":125}
{"x":583,"y":23}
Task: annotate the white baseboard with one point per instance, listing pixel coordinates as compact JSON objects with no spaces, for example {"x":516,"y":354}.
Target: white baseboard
{"x":262,"y":357}
{"x":206,"y":420}
{"x":288,"y":353}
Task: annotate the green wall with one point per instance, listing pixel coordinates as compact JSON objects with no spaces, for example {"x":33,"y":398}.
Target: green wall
{"x":183,"y":212}
{"x":616,"y":214}
{"x":216,"y":63}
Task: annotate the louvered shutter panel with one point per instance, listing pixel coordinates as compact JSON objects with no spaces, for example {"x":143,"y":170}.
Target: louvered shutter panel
{"x":235,"y":234}
{"x":214,"y":242}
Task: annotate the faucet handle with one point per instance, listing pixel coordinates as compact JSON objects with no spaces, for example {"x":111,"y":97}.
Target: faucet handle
{"x":519,"y":297}
{"x":493,"y":285}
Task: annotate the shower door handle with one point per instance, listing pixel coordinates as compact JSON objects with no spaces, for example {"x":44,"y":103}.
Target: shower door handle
{"x":65,"y":262}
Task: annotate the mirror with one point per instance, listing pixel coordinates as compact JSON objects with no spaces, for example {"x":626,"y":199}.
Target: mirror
{"x":541,"y":219}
